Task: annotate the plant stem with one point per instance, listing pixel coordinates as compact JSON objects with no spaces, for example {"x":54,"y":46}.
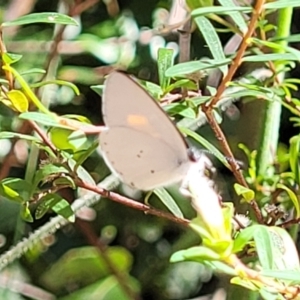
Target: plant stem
{"x":271,"y":118}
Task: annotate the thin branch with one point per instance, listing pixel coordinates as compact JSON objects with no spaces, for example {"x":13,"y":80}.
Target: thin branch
{"x":240,"y":54}
{"x":82,"y":7}
{"x":88,"y":200}
{"x":131,"y":203}
{"x":208,"y":110}
{"x":42,"y":135}
{"x":185,"y":47}
{"x":93,"y":239}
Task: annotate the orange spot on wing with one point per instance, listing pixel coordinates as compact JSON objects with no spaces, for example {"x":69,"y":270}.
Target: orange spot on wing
{"x":137,"y":120}
{"x":142,"y":124}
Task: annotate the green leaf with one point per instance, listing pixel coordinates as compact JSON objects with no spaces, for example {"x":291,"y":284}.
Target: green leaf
{"x":67,"y":139}
{"x":53,"y":18}
{"x":221,"y":267}
{"x":222,"y":247}
{"x":25,"y":212}
{"x":45,"y":204}
{"x":165,"y":60}
{"x":84,"y":266}
{"x":194,"y":66}
{"x":65,"y":181}
{"x":251,"y":156}
{"x":80,"y":118}
{"x":246,"y":193}
{"x":42,"y":118}
{"x":281,"y":4}
{"x":263,"y":242}
{"x":200,"y":100}
{"x":47,"y":170}
{"x":198,"y":225}
{"x":18,"y":100}
{"x":82,"y":173}
{"x":284,"y":249}
{"x":207,"y":145}
{"x":187,"y":83}
{"x":78,"y":140}
{"x":57,"y":82}
{"x":168,"y":201}
{"x":64,"y":209}
{"x":33,"y":71}
{"x":198,"y":254}
{"x":15,"y":189}
{"x":261,"y":93}
{"x":292,"y":196}
{"x":235,"y":16}
{"x":294,"y":157}
{"x":153,"y":89}
{"x":212,"y":40}
{"x":57,"y":204}
{"x":27,"y":90}
{"x":290,"y":275}
{"x":290,"y":39}
{"x":108,"y":288}
{"x":10,"y":194}
{"x":244,"y":283}
{"x":243,"y":238}
{"x":98,"y":89}
{"x":218,"y":116}
{"x":12,"y":135}
{"x":220,"y":10}
{"x":81,"y":157}
{"x":192,"y":4}
{"x":278,"y":47}
{"x":10,"y":58}
{"x":270,"y":57}
{"x":180,"y":109}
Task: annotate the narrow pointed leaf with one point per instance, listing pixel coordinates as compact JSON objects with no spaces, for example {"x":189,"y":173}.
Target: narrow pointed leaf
{"x":54,"y":18}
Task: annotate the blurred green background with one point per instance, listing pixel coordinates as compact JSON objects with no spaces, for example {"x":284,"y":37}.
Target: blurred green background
{"x":122,"y":34}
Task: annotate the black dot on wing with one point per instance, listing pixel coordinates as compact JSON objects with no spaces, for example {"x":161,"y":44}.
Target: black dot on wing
{"x":152,"y":171}
{"x":132,"y":184}
{"x":180,"y":162}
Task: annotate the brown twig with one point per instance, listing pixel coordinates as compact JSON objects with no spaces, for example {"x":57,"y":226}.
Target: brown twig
{"x":232,"y":161}
{"x":78,"y":9}
{"x":208,"y":109}
{"x":42,"y":135}
{"x":131,"y":203}
{"x":240,"y":54}
{"x":94,"y":241}
{"x":290,"y":223}
{"x":74,"y":10}
{"x":185,"y":47}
